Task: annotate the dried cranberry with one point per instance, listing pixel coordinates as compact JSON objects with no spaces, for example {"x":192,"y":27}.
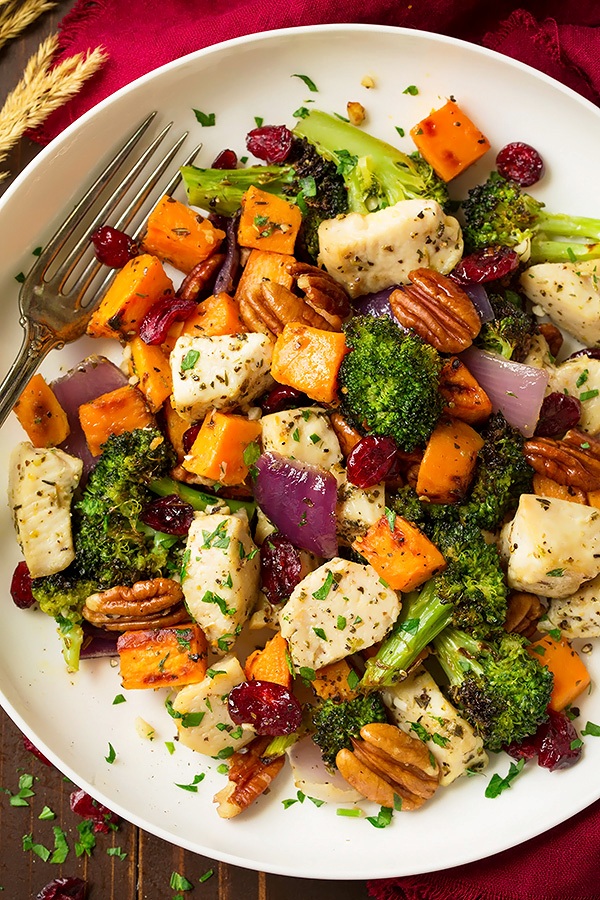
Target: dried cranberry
{"x":83,"y":805}
{"x":169,"y":514}
{"x":226,"y":159}
{"x":486,"y":265}
{"x":559,"y":742}
{"x":72,"y":888}
{"x":112,"y":247}
{"x":31,"y":748}
{"x":280,"y":568}
{"x":271,"y":143}
{"x":590,"y":352}
{"x":282,"y":397}
{"x":525,"y":749}
{"x":521,"y":163}
{"x":189,"y":436}
{"x":268,"y":706}
{"x":371,"y":460}
{"x":20,"y":587}
{"x":558,"y":413}
{"x":159,"y":318}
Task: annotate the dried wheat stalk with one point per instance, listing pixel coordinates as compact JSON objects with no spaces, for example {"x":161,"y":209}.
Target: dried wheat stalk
{"x":16,"y":15}
{"x":42,"y":90}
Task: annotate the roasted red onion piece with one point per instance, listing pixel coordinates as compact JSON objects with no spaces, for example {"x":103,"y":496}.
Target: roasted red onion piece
{"x":377,"y":304}
{"x":159,"y":318}
{"x":516,"y":390}
{"x":300,"y":500}
{"x":227,"y":274}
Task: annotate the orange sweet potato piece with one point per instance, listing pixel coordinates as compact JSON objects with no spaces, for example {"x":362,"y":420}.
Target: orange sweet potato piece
{"x":218,"y":451}
{"x":309,"y":359}
{"x":405,"y":558}
{"x":123,"y":409}
{"x":218,"y":314}
{"x":448,"y":463}
{"x":464,"y":396}
{"x":546,"y":487}
{"x":268,"y":222}
{"x":140,"y":284}
{"x":262,"y":265}
{"x":449,"y":140}
{"x":180,"y":236}
{"x":176,"y":428}
{"x":41,"y":415}
{"x":571,"y":677}
{"x":151,"y":366}
{"x":271,"y":663}
{"x":331,"y":682}
{"x":162,"y":657}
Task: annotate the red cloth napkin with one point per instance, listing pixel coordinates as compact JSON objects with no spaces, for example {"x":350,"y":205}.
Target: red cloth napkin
{"x":140,"y":35}
{"x":551,"y":35}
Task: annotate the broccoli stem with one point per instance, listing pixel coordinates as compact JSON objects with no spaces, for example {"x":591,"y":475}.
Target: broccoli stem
{"x":199,"y":500}
{"x":561,"y":225}
{"x":423,"y":616}
{"x":561,"y":251}
{"x":363,"y":158}
{"x":457,"y":654}
{"x":221,"y":190}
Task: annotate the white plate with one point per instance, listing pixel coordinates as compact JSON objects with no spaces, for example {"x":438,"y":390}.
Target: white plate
{"x":72,"y":718}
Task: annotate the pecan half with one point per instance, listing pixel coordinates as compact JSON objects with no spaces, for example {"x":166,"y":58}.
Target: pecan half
{"x":155,"y":603}
{"x":200,"y":277}
{"x":523,"y":613}
{"x":388,"y":763}
{"x":553,"y":335}
{"x":249,"y":776}
{"x":573,"y":461}
{"x":322,"y":303}
{"x":346,"y":434}
{"x":438,"y":309}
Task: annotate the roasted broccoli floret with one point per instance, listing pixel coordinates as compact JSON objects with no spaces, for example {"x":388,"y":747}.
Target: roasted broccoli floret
{"x":306,"y":178}
{"x":500,"y":688}
{"x":499,"y":213}
{"x":111,"y":547}
{"x":389,"y":381}
{"x":337,"y":722}
{"x":510,"y":332}
{"x":376,"y":173}
{"x":470,"y":593}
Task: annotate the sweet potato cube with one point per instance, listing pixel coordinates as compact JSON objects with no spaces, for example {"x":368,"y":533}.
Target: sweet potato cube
{"x":268,"y":222}
{"x":123,"y":409}
{"x":220,"y":447}
{"x":41,"y":415}
{"x":332,"y":682}
{"x":547,"y":487}
{"x":465,"y":398}
{"x":404,"y":557}
{"x":309,"y":360}
{"x":449,"y":140}
{"x":176,"y":428}
{"x":140,"y":284}
{"x":271,"y":663}
{"x":571,"y":677}
{"x":162,"y":657}
{"x":180,"y":236}
{"x":262,"y":265}
{"x":152,"y":368}
{"x":448,"y":463}
{"x":218,"y":314}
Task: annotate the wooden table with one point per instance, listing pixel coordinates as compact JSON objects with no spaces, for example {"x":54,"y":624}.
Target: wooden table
{"x":144,"y":873}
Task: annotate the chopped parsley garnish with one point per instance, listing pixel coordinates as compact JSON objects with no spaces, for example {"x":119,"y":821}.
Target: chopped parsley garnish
{"x":307,"y":81}
{"x":180,"y":882}
{"x":205,"y":119}
{"x":189,"y":360}
{"x":193,"y":787}
{"x":323,"y":592}
{"x":498,"y":784}
{"x":383,"y":817}
{"x":412,"y":89}
{"x":111,"y":754}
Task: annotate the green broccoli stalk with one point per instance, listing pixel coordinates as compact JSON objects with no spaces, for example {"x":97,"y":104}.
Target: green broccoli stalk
{"x":470,"y":594}
{"x":376,"y":173}
{"x":499,"y":213}
{"x":500,"y":688}
{"x":110,"y":545}
{"x":510,"y":332}
{"x":307,"y":179}
{"x":389,"y":381}
{"x":337,"y":722}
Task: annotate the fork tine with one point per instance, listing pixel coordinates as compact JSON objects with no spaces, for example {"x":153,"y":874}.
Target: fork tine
{"x":76,"y":252}
{"x":85,"y":203}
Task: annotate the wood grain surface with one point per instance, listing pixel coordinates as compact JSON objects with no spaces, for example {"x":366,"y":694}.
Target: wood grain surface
{"x":147,"y":863}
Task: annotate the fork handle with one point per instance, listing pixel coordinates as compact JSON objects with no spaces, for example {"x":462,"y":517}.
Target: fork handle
{"x":37,"y":343}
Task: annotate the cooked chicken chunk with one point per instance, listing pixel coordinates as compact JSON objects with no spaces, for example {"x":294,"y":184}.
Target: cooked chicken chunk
{"x":304,"y":434}
{"x":570,"y":294}
{"x":577,"y":616}
{"x":371,"y":252}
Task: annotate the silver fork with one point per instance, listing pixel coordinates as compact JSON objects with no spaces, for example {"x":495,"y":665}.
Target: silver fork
{"x":63,"y":287}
